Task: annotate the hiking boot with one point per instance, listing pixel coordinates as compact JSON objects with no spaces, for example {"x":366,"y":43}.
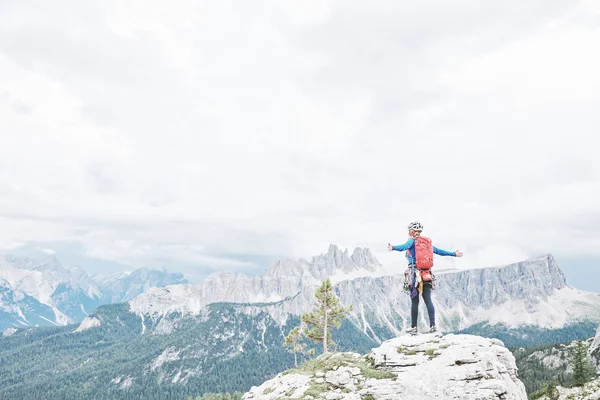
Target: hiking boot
{"x":433,"y":329}
{"x":412,"y":331}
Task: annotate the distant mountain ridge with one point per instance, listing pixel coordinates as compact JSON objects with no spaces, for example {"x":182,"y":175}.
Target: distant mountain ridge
{"x":530,"y":292}
{"x":41,"y":291}
{"x":283,"y":279}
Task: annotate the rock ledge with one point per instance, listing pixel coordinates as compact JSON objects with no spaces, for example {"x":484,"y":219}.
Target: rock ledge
{"x":429,"y":366}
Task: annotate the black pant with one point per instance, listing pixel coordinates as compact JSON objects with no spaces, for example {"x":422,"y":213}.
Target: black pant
{"x":415,"y":305}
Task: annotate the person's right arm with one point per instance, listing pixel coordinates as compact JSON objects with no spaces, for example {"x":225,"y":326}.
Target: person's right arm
{"x":402,"y":247}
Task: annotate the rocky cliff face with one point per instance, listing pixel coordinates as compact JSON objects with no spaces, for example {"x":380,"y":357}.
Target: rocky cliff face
{"x":421,"y":367}
{"x":286,"y":278}
{"x":531,"y":292}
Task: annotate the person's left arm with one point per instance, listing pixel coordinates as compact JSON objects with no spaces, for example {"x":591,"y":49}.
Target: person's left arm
{"x":442,"y":252}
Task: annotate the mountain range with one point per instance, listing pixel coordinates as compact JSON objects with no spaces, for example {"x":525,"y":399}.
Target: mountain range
{"x":226,"y":333}
{"x":41,"y":292}
{"x":532,"y":292}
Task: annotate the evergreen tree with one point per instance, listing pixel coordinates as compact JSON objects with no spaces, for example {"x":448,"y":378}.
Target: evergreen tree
{"x":326,"y":315}
{"x":548,"y":392}
{"x":582,"y":369}
{"x":293,"y":341}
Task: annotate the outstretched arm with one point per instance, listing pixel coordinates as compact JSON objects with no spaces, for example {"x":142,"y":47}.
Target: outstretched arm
{"x":402,"y":247}
{"x":442,"y":252}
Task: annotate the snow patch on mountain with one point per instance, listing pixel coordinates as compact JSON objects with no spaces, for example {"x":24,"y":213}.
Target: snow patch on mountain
{"x":49,"y":320}
{"x":59,"y":317}
{"x":340,"y":276}
{"x":21,"y":315}
{"x":261,"y":298}
{"x":563,"y":306}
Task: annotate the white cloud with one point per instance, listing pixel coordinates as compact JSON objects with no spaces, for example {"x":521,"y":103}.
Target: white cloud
{"x":183,"y":132}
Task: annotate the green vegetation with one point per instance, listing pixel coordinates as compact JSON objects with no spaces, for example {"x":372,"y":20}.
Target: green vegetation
{"x":224,"y":350}
{"x":548,"y":391}
{"x":583,"y":371}
{"x":544,"y":367}
{"x":326,"y":315}
{"x":330,"y":361}
{"x":293,"y":341}
{"x":430,"y":353}
{"x":323,"y":363}
{"x":534,"y":373}
{"x":114,"y":360}
{"x":268,"y":390}
{"x":374,"y":373}
{"x":315,"y":389}
{"x":410,"y":352}
{"x":404,"y":350}
{"x":54,"y":363}
{"x":532,"y":336}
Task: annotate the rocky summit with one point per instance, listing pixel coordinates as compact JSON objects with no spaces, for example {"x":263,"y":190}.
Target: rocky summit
{"x":429,"y":366}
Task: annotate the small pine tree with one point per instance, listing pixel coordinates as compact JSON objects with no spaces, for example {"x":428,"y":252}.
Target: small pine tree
{"x":293,"y":342}
{"x":583,"y":371}
{"x":327,"y":314}
{"x":550,"y":391}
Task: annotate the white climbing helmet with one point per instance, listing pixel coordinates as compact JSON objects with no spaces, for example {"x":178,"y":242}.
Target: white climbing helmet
{"x":415,"y":226}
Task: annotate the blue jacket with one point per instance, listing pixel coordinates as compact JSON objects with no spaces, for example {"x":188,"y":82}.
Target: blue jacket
{"x":410,"y":245}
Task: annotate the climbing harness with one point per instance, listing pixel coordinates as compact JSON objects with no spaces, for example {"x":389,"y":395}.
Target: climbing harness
{"x":413,"y":282}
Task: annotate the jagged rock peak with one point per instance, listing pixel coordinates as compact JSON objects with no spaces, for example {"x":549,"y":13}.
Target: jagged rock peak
{"x":430,"y":366}
{"x":326,"y":264}
{"x":338,"y":259}
{"x":363,"y":256}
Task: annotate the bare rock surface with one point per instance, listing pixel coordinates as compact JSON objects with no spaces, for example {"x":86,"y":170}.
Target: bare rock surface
{"x":429,"y":366}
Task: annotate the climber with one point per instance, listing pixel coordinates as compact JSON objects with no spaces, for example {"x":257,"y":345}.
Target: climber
{"x":420,"y":260}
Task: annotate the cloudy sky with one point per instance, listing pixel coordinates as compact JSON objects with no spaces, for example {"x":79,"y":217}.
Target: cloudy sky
{"x":203,"y":135}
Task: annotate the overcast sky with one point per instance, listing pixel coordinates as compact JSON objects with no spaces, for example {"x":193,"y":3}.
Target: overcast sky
{"x":204,"y":135}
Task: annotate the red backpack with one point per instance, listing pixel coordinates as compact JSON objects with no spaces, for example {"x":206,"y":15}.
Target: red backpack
{"x":423,"y":253}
